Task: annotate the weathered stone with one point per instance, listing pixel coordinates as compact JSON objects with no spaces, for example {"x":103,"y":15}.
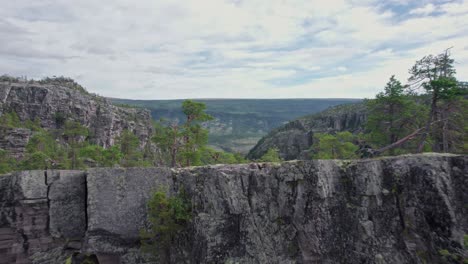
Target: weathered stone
{"x":391,"y":210}
{"x":67,"y":204}
{"x":52,"y":103}
{"x":14,"y":141}
{"x":30,"y":185}
{"x":117,"y":205}
{"x":294,"y":139}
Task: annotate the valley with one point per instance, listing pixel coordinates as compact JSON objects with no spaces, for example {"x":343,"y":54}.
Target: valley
{"x":238,"y":123}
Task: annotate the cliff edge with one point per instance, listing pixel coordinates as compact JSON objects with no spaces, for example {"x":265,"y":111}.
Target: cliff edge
{"x":405,"y":209}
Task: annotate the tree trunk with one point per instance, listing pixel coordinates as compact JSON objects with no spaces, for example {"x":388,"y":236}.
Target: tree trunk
{"x":392,"y":135}
{"x":445,"y":145}
{"x":399,"y":142}
{"x":173,"y":158}
{"x":403,"y":140}
{"x":427,"y":128}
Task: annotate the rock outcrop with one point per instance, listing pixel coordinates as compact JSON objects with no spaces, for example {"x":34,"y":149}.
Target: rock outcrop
{"x":52,"y":103}
{"x":294,"y":139}
{"x":404,"y":209}
{"x":14,"y":140}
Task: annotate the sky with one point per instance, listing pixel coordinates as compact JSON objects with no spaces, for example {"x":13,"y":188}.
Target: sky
{"x":164,"y":49}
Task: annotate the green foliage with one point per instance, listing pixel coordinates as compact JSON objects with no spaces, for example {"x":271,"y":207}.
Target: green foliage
{"x":43,"y":151}
{"x":195,"y":111}
{"x":168,"y":217}
{"x":68,"y":148}
{"x":103,"y":157}
{"x":272,"y":155}
{"x":37,"y":161}
{"x":211,"y":156}
{"x":194,"y":137}
{"x":34,"y":125}
{"x":75,"y":134}
{"x":393,"y":114}
{"x":184,"y":144}
{"x":436,"y":74}
{"x":240,"y":122}
{"x":458,"y":256}
{"x":168,"y":138}
{"x":59,"y":119}
{"x":7,"y":163}
{"x":74,"y":131}
{"x":42,"y":141}
{"x":132,"y":156}
{"x":338,"y":146}
{"x":10,"y":120}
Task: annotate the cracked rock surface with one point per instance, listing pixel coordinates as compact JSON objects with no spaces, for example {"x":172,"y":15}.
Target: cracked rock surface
{"x":391,"y":210}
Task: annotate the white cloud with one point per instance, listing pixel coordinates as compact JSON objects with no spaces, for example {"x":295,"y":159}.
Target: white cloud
{"x":425,"y":10}
{"x":213,"y":48}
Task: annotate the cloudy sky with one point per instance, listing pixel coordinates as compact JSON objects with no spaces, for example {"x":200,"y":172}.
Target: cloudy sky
{"x":163,"y":49}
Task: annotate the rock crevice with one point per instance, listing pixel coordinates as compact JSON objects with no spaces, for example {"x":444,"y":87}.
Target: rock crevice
{"x":393,"y":210}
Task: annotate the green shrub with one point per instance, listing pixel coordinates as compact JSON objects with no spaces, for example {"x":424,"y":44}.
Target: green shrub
{"x":36,"y":161}
{"x":168,"y":217}
{"x":60,"y":119}
{"x":10,"y":120}
{"x":7,"y":163}
{"x":33,"y":125}
{"x":103,"y":157}
{"x":211,"y":156}
{"x":272,"y":155}
{"x":338,"y":146}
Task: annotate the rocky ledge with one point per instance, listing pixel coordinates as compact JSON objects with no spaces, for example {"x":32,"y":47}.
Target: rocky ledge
{"x":406,"y":209}
{"x":54,"y":103}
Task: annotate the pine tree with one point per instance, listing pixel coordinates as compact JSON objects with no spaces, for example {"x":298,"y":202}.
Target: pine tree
{"x":184,"y":143}
{"x":436,"y":74}
{"x":392,"y":115}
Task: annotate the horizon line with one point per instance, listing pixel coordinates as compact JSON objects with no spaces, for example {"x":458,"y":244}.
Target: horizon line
{"x":220,"y":98}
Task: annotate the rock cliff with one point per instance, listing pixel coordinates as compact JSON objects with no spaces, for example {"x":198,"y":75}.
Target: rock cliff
{"x":404,"y":209}
{"x":54,"y":102}
{"x":294,"y":139}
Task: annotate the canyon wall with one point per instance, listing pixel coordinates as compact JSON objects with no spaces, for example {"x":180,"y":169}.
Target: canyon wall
{"x":405,"y":209}
{"x":54,"y":103}
{"x":294,"y":139}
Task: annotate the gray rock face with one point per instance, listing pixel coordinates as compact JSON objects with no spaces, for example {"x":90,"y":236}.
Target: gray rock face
{"x":67,"y":204}
{"x":40,"y":212}
{"x":51,"y":103}
{"x":117,"y":205}
{"x":294,"y":139}
{"x":14,"y":140}
{"x":392,"y":210}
